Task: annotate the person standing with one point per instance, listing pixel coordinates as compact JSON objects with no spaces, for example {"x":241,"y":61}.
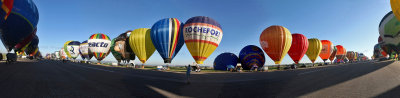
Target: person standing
{"x":188,"y":74}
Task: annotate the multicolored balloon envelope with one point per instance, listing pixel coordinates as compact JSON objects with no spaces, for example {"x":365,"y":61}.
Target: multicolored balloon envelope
{"x":314,"y":49}
{"x":350,"y":55}
{"x":327,"y":49}
{"x":202,"y":36}
{"x":340,"y":52}
{"x":117,"y":55}
{"x":389,"y":29}
{"x":298,"y":48}
{"x":395,"y":8}
{"x":276,"y":42}
{"x":251,"y":56}
{"x":32,"y":46}
{"x":72,"y":49}
{"x":141,"y":44}
{"x":166,"y":35}
{"x":18,"y":22}
{"x":225,"y":61}
{"x":99,"y":45}
{"x":84,"y":50}
{"x":333,"y":55}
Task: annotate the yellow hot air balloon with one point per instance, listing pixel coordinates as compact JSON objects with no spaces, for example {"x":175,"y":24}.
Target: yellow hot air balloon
{"x":314,"y":48}
{"x":141,"y":44}
{"x":66,"y":49}
{"x":396,"y":8}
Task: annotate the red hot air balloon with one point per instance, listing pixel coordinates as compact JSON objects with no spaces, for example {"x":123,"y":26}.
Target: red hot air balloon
{"x":340,"y":53}
{"x":299,"y":47}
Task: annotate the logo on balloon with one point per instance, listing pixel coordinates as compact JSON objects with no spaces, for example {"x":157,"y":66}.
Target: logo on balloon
{"x":98,"y":44}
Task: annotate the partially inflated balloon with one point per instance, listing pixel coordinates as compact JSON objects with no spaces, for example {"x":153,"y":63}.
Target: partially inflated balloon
{"x":251,"y":56}
{"x":225,"y":60}
{"x":166,"y":35}
{"x":99,"y":45}
{"x":276,"y":42}
{"x":389,"y":29}
{"x":314,"y":49}
{"x":298,"y":48}
{"x":396,"y":8}
{"x":84,"y":50}
{"x":327,"y":49}
{"x":73,"y":49}
{"x":141,"y":44}
{"x":202,"y":36}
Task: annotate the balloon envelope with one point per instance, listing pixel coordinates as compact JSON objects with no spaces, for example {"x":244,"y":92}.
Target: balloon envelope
{"x":166,"y":35}
{"x":141,"y":44}
{"x":327,"y":49}
{"x":225,"y":60}
{"x":314,"y":49}
{"x":73,"y":49}
{"x":350,"y":55}
{"x":340,"y":52}
{"x":333,"y":55}
{"x":251,"y":56}
{"x":99,"y":45}
{"x":298,"y":48}
{"x":84,"y":50}
{"x":202,"y":36}
{"x":276,"y":42}
{"x":395,"y":8}
{"x":117,"y":55}
{"x":389,"y":28}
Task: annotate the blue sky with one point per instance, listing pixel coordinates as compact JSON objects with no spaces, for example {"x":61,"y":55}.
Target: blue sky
{"x":351,"y":23}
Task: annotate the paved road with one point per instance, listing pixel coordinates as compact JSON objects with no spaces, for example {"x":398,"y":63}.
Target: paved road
{"x":56,"y":79}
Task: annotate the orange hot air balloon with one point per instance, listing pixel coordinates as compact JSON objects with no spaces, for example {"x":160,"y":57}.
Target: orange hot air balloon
{"x":340,"y":53}
{"x":327,"y":49}
{"x":276,"y":42}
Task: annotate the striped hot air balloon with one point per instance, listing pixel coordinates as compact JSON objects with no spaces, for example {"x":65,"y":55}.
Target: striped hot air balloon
{"x":202,"y":36}
{"x":99,"y":45}
{"x":166,"y":35}
{"x":395,"y":8}
{"x":276,"y":42}
{"x":251,"y":57}
{"x":327,"y":49}
{"x":333,"y":54}
{"x":298,"y":48}
{"x":141,"y":44}
{"x":314,"y":49}
{"x":6,"y":8}
{"x":84,"y":50}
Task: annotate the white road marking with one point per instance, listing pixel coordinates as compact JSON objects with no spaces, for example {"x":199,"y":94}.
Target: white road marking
{"x":166,"y":93}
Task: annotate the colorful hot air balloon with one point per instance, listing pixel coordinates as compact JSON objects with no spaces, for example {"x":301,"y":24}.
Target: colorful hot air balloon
{"x":18,"y":22}
{"x":225,"y":61}
{"x":350,"y":55}
{"x":389,"y":28}
{"x":57,"y":54}
{"x":141,"y":44}
{"x":276,"y":42}
{"x":99,"y":45}
{"x":32,"y":45}
{"x":123,"y":48}
{"x":314,"y":49}
{"x":202,"y":36}
{"x":333,"y":55}
{"x":251,"y":56}
{"x":66,"y":49}
{"x":327,"y":49}
{"x":84,"y":50}
{"x":340,"y":53}
{"x":117,"y":55}
{"x":129,"y":54}
{"x":298,"y":48}
{"x":166,"y":35}
{"x":72,"y":49}
{"x":395,"y":8}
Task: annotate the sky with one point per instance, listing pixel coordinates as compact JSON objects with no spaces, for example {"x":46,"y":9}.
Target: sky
{"x":351,"y":23}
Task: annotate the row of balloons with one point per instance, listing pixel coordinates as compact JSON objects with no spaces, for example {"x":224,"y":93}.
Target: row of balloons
{"x":389,"y":29}
{"x":18,"y":23}
{"x":277,"y":41}
{"x":201,"y":34}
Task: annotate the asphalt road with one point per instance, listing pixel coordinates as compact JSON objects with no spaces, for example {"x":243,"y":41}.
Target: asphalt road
{"x":56,"y":79}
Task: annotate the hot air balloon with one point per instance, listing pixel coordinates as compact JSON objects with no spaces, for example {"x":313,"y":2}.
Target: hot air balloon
{"x":314,"y":49}
{"x":251,"y":57}
{"x":72,"y":49}
{"x":355,"y":56}
{"x":333,"y":55}
{"x":276,"y":42}
{"x":202,"y":36}
{"x":18,"y":22}
{"x":128,"y":54}
{"x":117,"y":55}
{"x":66,"y":50}
{"x":141,"y":44}
{"x":166,"y":35}
{"x":123,"y":48}
{"x":327,"y":49}
{"x":32,"y":46}
{"x":57,"y":54}
{"x":340,"y":53}
{"x":99,"y":45}
{"x":298,"y":48}
{"x":225,"y":61}
{"x":350,"y":56}
{"x":84,"y":51}
{"x":395,"y":8}
{"x":21,"y":46}
{"x":389,"y":28}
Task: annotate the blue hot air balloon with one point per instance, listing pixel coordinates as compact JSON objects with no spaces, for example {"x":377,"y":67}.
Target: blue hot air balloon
{"x":166,"y":35}
{"x":251,"y":56}
{"x":20,"y":23}
{"x":225,"y":61}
